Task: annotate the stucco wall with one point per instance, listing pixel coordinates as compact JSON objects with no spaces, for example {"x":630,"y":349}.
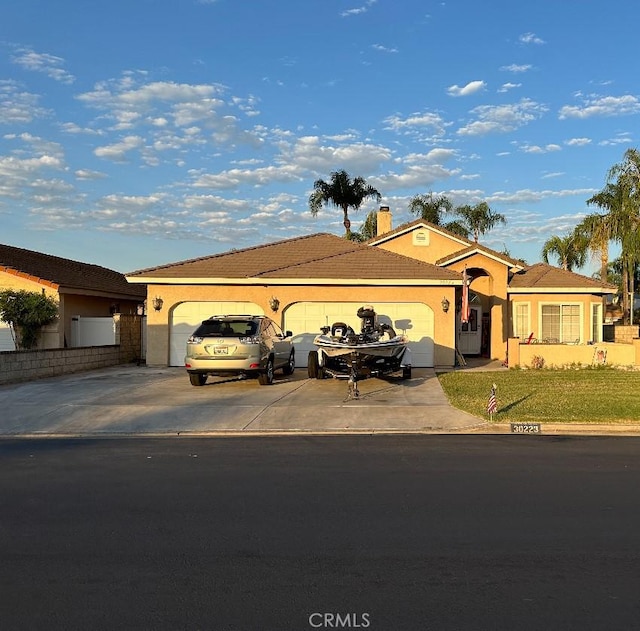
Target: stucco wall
{"x":536,"y":300}
{"x":562,"y":355}
{"x":172,"y":295}
{"x":437,"y":247}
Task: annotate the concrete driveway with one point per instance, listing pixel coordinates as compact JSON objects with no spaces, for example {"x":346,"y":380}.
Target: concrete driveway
{"x":126,"y":400}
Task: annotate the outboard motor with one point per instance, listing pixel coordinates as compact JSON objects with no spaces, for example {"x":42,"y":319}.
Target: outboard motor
{"x":368,"y":317}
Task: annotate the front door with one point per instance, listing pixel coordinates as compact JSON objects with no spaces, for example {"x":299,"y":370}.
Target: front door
{"x":470,"y":333}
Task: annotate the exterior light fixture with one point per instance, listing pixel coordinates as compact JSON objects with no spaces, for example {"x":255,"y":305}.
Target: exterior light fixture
{"x":157,"y":303}
{"x":445,"y":304}
{"x":274,"y":303}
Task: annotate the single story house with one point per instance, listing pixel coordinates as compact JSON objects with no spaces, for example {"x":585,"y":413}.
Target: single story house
{"x":81,"y":290}
{"x":412,"y":275}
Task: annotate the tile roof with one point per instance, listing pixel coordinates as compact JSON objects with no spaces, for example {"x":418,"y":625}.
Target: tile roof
{"x":476,"y":247}
{"x":543,"y":276}
{"x":310,"y":257}
{"x":65,"y":273}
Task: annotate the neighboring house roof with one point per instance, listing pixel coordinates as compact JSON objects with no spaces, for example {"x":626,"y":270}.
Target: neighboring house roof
{"x":314,"y":257}
{"x":65,"y":274}
{"x":543,"y":278}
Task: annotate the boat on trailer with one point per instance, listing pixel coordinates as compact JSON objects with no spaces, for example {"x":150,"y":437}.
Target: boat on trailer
{"x":377,"y":350}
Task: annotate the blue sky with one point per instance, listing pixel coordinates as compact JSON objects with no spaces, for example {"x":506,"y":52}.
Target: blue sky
{"x":139,"y":132}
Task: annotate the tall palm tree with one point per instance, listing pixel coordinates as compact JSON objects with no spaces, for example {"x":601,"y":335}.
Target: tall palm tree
{"x":621,"y":199}
{"x":341,"y":192}
{"x":570,"y":251}
{"x":431,"y":207}
{"x":479,"y":219}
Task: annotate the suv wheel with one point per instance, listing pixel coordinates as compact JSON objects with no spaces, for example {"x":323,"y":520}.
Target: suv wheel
{"x":266,"y":378}
{"x":197,"y":379}
{"x":290,"y":365}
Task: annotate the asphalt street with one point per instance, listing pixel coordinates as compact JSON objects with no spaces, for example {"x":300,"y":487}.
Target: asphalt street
{"x":301,"y":532}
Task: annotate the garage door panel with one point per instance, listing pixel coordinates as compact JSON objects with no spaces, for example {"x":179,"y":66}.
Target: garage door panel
{"x":414,"y":319}
{"x":187,"y":316}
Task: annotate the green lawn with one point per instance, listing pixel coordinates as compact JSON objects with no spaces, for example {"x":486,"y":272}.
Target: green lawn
{"x":602,"y":395}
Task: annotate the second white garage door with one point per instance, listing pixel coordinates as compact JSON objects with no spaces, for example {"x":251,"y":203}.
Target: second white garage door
{"x":415,"y":319}
{"x":188,"y":315}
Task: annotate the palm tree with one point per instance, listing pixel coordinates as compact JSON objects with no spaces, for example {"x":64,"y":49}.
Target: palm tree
{"x":430,"y":207}
{"x":479,"y":219}
{"x":621,"y":199}
{"x":595,"y":229}
{"x":569,"y":250}
{"x":368,"y":229}
{"x":342,"y":192}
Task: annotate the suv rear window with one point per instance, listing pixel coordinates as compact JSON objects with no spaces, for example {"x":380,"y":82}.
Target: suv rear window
{"x":227,"y":328}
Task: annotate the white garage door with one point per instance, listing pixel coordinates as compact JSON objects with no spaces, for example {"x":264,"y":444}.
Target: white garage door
{"x":188,"y":315}
{"x":415,"y":319}
{"x":6,"y":339}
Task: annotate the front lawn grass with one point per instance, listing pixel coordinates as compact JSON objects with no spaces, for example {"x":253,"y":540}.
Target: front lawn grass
{"x":599,"y":395}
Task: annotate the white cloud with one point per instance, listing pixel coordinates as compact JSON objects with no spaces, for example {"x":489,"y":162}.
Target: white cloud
{"x":602,"y":106}
{"x":358,"y":10}
{"x":471,"y":88}
{"x":577,"y":142}
{"x":417,"y":123}
{"x":18,"y":106}
{"x":49,"y":65}
{"x":88,"y":174}
{"x":538,"y":149}
{"x":502,"y":118}
{"x":530,"y":38}
{"x":505,"y":87}
{"x":517,"y":68}
{"x":118,"y":150}
{"x":384,"y":49}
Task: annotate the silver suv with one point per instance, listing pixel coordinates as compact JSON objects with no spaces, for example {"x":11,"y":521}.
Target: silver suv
{"x":243,"y":345}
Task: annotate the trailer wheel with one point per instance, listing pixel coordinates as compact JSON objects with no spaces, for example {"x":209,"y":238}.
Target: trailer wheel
{"x":314,"y":369}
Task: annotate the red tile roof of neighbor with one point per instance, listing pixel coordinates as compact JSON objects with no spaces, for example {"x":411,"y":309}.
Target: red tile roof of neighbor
{"x":543,"y":276}
{"x":312,"y":257}
{"x":65,"y":273}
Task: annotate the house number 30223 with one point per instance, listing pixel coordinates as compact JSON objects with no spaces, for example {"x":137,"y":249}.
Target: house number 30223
{"x":525,"y":428}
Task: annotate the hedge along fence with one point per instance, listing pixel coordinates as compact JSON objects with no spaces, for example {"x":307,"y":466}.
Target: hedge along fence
{"x":18,"y":366}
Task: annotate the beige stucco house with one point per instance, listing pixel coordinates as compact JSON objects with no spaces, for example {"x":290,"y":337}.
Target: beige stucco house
{"x":81,"y":290}
{"x":412,"y":275}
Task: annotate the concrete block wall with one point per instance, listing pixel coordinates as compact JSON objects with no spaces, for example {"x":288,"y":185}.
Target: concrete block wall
{"x":625,"y":334}
{"x":18,"y":366}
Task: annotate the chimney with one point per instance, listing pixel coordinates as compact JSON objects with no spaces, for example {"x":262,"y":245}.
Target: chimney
{"x":383,"y":221}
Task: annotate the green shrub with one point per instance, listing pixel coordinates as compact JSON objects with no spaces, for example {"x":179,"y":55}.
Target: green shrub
{"x":26,"y":312}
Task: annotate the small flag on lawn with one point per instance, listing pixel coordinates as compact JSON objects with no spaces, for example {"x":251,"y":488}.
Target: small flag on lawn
{"x":492,"y":408}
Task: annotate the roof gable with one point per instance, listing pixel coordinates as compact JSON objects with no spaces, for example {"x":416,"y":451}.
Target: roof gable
{"x":64,"y":273}
{"x":465,"y":247}
{"x":418,"y":224}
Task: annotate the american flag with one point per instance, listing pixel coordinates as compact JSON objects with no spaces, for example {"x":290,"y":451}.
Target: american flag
{"x":492,"y":408}
{"x":464,"y":312}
